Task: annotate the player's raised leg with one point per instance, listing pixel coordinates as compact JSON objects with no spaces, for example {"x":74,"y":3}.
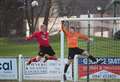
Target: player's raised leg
{"x":85,"y":53}
{"x":34,"y":59}
{"x":50,"y":54}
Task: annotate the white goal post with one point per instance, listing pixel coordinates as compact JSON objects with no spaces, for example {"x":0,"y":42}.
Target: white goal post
{"x":87,"y":20}
{"x":62,"y":54}
{"x":75,"y":68}
{"x":62,"y":47}
{"x":91,"y":19}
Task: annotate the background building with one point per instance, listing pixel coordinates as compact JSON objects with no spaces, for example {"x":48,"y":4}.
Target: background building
{"x":13,"y":12}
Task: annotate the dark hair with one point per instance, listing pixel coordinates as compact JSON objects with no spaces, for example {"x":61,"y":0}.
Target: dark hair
{"x":72,"y":27}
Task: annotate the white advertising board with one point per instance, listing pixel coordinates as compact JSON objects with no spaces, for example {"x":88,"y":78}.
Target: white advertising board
{"x":43,"y":71}
{"x":8,"y":68}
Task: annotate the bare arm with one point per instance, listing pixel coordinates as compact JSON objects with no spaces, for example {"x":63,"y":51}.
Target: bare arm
{"x":30,"y":37}
{"x":84,"y":37}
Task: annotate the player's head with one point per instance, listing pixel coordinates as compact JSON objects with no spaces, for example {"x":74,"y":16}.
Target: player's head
{"x":72,"y":29}
{"x":43,"y":28}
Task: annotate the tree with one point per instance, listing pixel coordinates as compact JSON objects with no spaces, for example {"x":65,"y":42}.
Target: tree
{"x":46,"y":18}
{"x":10,"y":17}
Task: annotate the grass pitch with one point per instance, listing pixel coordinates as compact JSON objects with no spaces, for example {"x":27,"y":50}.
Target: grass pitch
{"x":99,"y":47}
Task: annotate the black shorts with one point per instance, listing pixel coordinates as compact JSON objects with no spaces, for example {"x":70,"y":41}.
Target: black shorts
{"x":74,"y":51}
{"x":46,"y":50}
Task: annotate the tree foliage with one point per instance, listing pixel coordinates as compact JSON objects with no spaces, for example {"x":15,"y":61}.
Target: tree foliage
{"x":11,"y":17}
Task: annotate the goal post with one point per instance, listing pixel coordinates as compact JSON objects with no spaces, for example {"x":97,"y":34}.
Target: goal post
{"x":75,"y":68}
{"x":106,"y":23}
{"x":97,"y":26}
{"x":62,"y":54}
{"x":91,"y":19}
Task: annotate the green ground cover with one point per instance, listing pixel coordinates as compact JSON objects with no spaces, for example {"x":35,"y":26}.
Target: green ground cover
{"x":100,"y":46}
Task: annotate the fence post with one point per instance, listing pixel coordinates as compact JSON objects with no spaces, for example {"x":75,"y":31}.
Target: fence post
{"x":20,"y":68}
{"x":75,"y":68}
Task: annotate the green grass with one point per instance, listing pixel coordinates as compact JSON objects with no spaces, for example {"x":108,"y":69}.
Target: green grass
{"x":106,"y":46}
{"x":100,"y":47}
{"x":9,"y":48}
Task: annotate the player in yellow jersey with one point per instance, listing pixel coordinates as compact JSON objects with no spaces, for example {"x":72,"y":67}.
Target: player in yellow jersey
{"x":72,"y":44}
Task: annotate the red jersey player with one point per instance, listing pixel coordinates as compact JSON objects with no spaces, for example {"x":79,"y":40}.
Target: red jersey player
{"x":45,"y":49}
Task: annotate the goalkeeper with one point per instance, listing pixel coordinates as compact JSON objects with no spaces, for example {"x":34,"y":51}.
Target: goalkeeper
{"x":72,"y":44}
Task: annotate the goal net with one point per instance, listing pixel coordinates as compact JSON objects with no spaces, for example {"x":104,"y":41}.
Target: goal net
{"x":105,"y":33}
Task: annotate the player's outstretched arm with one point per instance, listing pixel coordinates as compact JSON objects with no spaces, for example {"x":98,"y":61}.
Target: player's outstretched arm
{"x":30,"y":37}
{"x":84,"y":37}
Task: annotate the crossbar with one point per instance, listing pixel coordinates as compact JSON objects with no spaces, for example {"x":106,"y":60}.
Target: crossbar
{"x":91,"y":19}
